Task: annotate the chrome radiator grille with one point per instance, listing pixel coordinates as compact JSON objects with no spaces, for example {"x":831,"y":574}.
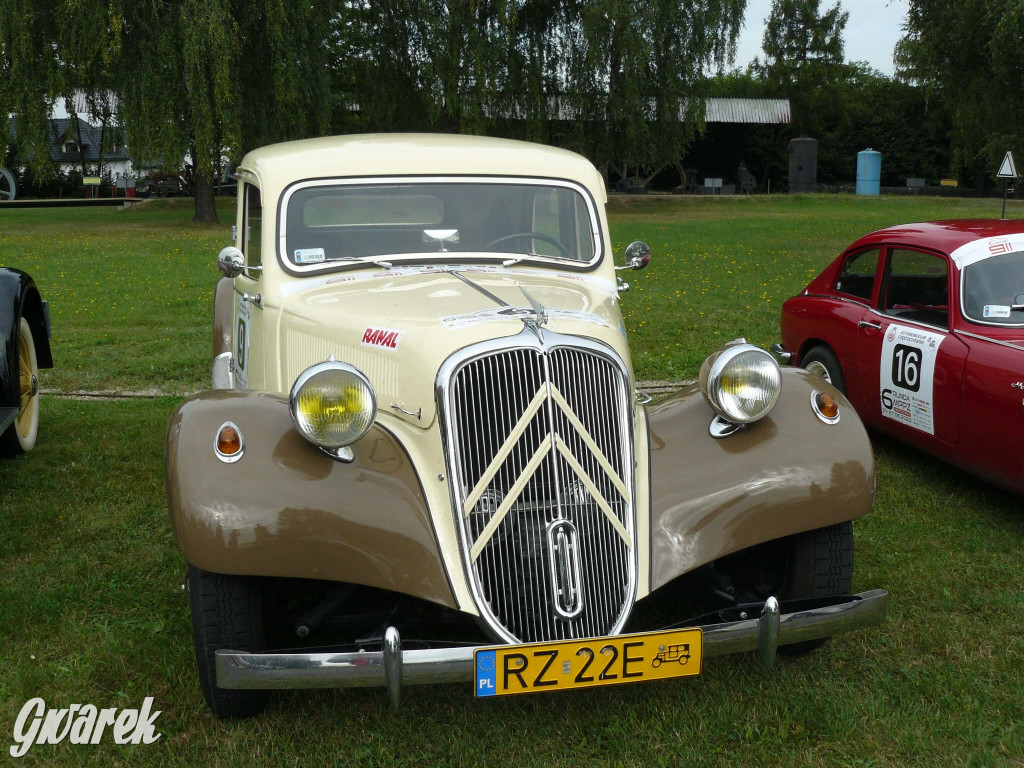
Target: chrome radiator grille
{"x":540,"y":456}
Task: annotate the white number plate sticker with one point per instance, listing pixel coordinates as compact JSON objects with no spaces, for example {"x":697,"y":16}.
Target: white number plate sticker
{"x":906,"y":376}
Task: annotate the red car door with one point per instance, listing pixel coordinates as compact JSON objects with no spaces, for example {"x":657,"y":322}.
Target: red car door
{"x":993,"y":411}
{"x":911,"y":366}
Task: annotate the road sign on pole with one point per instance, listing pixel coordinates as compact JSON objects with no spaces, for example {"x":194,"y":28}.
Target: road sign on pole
{"x":1007,"y":170}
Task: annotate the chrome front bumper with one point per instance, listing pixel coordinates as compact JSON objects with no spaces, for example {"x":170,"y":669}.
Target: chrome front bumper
{"x":393,"y":668}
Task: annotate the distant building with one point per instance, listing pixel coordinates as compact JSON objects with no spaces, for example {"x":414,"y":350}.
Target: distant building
{"x":71,"y":137}
{"x":67,"y":153}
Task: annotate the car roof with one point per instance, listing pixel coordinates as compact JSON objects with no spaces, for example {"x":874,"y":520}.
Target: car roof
{"x":411,"y":154}
{"x":944,"y":236}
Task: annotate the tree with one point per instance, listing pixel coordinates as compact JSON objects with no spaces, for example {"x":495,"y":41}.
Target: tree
{"x":447,"y":65}
{"x":804,"y":61}
{"x":641,"y":66}
{"x":215,"y":78}
{"x":207,"y":78}
{"x":609,"y":78}
{"x":969,"y":55}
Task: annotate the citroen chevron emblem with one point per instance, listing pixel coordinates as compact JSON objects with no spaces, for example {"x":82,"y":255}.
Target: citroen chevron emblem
{"x":555,"y":443}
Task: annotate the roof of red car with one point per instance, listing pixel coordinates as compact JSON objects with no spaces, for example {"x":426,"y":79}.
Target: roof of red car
{"x":945,"y":236}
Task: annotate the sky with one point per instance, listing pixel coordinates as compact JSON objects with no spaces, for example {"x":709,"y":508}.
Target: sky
{"x":871,"y":32}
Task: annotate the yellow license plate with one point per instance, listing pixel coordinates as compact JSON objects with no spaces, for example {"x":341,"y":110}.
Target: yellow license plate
{"x":510,"y":669}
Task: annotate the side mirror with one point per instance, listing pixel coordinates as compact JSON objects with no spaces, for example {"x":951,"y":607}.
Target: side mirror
{"x":230,"y":261}
{"x":638,"y":255}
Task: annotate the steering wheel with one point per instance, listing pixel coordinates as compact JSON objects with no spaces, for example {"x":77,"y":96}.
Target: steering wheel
{"x":535,"y":235}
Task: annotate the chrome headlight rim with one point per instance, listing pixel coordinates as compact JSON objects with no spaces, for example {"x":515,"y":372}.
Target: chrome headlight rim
{"x":308,"y":375}
{"x":716,"y":364}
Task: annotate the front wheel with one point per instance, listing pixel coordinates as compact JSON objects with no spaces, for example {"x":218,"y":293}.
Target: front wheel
{"x":226,"y":614}
{"x":823,"y":361}
{"x":20,"y":437}
{"x":816,"y":563}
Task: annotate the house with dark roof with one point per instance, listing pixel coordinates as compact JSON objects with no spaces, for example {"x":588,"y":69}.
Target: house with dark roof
{"x":73,"y":139}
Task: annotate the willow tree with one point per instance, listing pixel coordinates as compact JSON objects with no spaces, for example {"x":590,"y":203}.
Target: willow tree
{"x":445,"y":65}
{"x":206,"y":79}
{"x":48,"y":50}
{"x":970,"y":54}
{"x":635,"y":74}
{"x":609,"y":78}
{"x":214,"y":78}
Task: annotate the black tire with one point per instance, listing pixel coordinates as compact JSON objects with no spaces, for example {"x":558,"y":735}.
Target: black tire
{"x":226,"y":614}
{"x":816,"y":563}
{"x":823,"y":361}
{"x":20,"y":437}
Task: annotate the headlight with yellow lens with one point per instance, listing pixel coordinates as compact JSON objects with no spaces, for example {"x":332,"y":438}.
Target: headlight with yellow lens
{"x":332,"y":404}
{"x":741,"y":382}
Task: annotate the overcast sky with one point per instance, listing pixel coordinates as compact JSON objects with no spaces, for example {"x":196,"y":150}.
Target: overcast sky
{"x":871,"y":33}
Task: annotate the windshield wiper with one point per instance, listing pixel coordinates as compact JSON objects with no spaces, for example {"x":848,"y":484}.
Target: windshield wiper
{"x":379,"y":262}
{"x":517,"y":259}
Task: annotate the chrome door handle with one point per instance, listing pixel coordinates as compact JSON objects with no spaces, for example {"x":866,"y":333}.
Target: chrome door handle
{"x":869,"y":324}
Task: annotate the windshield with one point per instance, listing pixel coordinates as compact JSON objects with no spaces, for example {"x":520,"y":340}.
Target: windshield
{"x":993,"y":290}
{"x":327,"y":223}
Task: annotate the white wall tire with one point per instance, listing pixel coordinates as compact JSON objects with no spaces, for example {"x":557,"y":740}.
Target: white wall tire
{"x":21,"y":436}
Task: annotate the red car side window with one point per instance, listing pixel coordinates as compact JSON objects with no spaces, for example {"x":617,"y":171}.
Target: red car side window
{"x":857,"y":277}
{"x":917,"y":287}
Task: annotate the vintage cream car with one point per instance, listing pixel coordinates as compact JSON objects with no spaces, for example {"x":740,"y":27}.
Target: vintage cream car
{"x":425,"y":459}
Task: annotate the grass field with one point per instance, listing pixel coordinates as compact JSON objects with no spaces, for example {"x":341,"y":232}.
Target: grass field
{"x":91,"y":609}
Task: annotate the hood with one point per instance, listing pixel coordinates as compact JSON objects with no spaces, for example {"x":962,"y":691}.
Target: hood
{"x":399,"y":325}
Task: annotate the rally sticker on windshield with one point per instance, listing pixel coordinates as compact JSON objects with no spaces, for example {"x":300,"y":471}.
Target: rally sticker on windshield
{"x":906,"y":376}
{"x":996,"y":310}
{"x":309,"y":255}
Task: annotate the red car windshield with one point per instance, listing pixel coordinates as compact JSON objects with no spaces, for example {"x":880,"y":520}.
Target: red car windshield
{"x":993,"y":290}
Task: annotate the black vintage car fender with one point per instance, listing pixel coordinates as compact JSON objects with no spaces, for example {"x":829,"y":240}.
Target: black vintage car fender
{"x":19,"y":298}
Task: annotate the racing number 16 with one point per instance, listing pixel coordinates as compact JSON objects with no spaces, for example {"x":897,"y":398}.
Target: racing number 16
{"x":906,"y":367}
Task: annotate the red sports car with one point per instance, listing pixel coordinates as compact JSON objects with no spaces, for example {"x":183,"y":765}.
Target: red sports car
{"x":922,"y":327}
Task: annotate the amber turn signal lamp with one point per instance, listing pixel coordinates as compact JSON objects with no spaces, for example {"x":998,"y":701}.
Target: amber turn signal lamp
{"x":828,"y":406}
{"x":229,"y":444}
{"x":825,"y":407}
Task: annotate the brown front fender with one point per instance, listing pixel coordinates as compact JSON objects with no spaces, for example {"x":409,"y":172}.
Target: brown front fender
{"x":287,"y":509}
{"x":787,"y":473}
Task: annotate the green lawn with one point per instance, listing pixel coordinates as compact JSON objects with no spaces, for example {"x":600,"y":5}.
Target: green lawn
{"x":91,"y":608}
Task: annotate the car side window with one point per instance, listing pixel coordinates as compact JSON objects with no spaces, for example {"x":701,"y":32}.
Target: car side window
{"x":253,"y":228}
{"x":917,"y":287}
{"x":857,"y":277}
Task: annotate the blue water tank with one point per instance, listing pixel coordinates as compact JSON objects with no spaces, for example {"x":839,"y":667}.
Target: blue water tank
{"x":869,"y":172}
